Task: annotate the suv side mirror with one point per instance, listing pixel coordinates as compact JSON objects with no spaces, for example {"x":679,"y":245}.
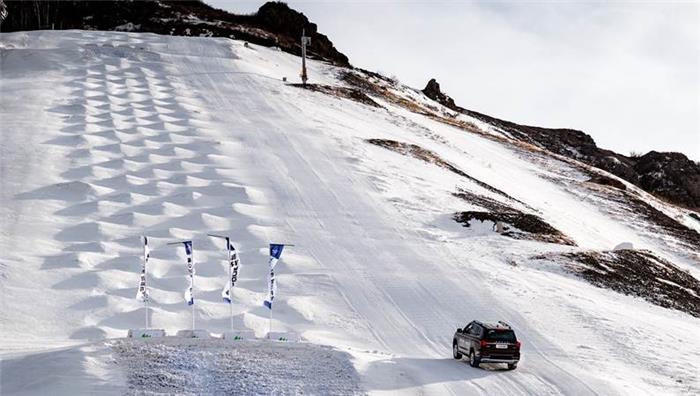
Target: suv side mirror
{"x":459,"y":330}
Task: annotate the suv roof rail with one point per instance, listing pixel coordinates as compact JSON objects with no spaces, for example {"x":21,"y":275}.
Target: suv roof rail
{"x":504,"y":324}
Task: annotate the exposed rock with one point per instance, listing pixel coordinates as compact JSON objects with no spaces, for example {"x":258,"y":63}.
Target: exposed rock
{"x":275,"y":24}
{"x":670,"y":175}
{"x":278,"y":18}
{"x":432,"y":90}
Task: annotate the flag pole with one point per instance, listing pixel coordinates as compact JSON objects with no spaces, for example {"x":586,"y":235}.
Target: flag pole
{"x":145,"y":300}
{"x":230,"y":308}
{"x":273,"y":286}
{"x":146,"y":254}
{"x":193,"y":313}
{"x":192,"y":279}
{"x":230,"y":275}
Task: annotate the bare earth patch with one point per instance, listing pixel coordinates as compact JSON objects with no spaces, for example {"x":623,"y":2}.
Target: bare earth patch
{"x":517,"y":225}
{"x":655,"y":220}
{"x":340,"y":92}
{"x":607,"y":181}
{"x":635,"y":272}
{"x":666,"y":224}
{"x":426,"y":155}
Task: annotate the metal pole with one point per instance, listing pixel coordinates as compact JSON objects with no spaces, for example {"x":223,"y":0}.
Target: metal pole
{"x":303,"y":57}
{"x":145,"y":269}
{"x":193,"y":272}
{"x":230,"y":274}
{"x":270,"y":325}
{"x":230,"y":294}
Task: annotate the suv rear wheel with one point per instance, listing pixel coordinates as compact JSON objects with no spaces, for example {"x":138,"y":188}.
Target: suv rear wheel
{"x":512,"y":366}
{"x":474,"y":360}
{"x":455,"y":351}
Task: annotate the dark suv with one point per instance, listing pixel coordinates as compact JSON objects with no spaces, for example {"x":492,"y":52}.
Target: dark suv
{"x":487,"y":343}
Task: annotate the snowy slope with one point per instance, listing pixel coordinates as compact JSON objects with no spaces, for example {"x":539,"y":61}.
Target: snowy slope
{"x":109,"y":136}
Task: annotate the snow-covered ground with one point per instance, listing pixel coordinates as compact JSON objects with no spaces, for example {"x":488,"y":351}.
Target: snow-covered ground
{"x":108,"y":136}
{"x":166,"y":366}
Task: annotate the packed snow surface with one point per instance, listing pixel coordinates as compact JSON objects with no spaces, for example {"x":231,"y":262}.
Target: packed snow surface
{"x":220,"y":367}
{"x":167,"y":366}
{"x":109,"y":136}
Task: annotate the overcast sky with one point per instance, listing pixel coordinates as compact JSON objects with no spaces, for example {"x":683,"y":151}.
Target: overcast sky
{"x":627,"y":73}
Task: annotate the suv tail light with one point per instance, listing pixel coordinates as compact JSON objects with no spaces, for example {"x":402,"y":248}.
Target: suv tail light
{"x":517,"y":344}
{"x":483,"y":343}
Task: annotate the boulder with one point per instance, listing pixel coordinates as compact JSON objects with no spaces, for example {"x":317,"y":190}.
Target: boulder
{"x":432,"y":90}
{"x":624,"y":246}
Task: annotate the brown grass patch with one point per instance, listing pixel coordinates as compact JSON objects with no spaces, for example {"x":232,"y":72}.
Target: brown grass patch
{"x":638,"y":273}
{"x":340,"y":92}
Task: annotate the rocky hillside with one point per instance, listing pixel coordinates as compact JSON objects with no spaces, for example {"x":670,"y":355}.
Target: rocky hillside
{"x":671,"y":176}
{"x":274,"y":24}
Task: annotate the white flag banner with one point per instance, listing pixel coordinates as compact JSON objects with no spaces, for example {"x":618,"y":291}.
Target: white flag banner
{"x":189,"y":294}
{"x":142,"y":293}
{"x":234,"y":263}
{"x":275,"y":253}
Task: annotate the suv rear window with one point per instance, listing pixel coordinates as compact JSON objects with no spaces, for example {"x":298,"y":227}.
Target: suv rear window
{"x":500,"y":335}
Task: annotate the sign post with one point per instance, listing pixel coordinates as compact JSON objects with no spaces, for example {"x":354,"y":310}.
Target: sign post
{"x":304,"y":42}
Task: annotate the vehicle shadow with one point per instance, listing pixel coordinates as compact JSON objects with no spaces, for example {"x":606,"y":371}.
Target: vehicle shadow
{"x":400,"y":373}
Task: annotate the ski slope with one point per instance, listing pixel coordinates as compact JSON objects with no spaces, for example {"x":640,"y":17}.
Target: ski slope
{"x":109,"y":136}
